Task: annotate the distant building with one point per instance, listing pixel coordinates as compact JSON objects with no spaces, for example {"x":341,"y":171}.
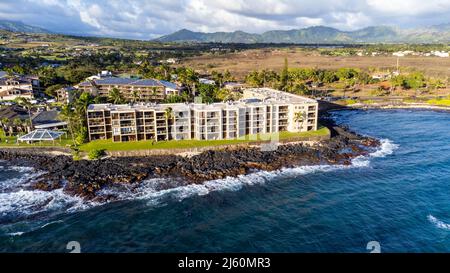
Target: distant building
{"x":48,"y":120}
{"x":102,"y":75}
{"x":382,"y":76}
{"x":262,"y":110}
{"x":441,"y":54}
{"x":147,"y":89}
{"x":170,"y":61}
{"x":206,"y":81}
{"x":65,"y":94}
{"x":12,"y":87}
{"x":234,"y":86}
{"x":403,"y":53}
{"x":12,"y":113}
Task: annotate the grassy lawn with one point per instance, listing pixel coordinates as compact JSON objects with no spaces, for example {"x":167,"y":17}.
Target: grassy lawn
{"x":186,"y":144}
{"x":439,"y":102}
{"x":12,"y":142}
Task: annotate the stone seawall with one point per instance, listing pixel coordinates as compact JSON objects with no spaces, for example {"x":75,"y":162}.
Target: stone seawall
{"x":198,"y":150}
{"x":20,"y":150}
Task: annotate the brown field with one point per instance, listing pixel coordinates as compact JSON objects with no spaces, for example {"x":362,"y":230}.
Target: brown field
{"x":239,"y":64}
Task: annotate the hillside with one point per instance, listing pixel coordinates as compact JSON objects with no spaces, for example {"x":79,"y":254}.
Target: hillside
{"x":319,"y":34}
{"x":15,"y":26}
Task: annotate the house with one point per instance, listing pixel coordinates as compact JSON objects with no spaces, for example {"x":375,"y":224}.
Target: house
{"x":262,"y":110}
{"x":206,"y":81}
{"x":48,"y":120}
{"x":382,"y":76}
{"x":65,"y":94}
{"x":233,"y":86}
{"x":14,"y":93}
{"x":102,"y":75}
{"x":11,"y":114}
{"x":170,"y":61}
{"x":441,"y":54}
{"x":13,"y":86}
{"x":403,"y":53}
{"x":145,"y":89}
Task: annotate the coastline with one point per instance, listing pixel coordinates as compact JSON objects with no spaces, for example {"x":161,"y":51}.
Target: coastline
{"x":413,"y":106}
{"x":84,"y":178}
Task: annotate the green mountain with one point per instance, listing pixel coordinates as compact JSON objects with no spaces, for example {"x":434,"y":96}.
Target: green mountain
{"x":318,"y":34}
{"x":15,"y":26}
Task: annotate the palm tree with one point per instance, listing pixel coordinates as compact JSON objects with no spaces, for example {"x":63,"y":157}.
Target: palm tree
{"x":18,"y":124}
{"x":135,"y":96}
{"x":68,"y":115}
{"x":24,"y":102}
{"x":115,"y":96}
{"x":189,"y":78}
{"x":165,"y":70}
{"x":299,"y":117}
{"x":154,"y":92}
{"x":5,"y":122}
{"x":168,"y":115}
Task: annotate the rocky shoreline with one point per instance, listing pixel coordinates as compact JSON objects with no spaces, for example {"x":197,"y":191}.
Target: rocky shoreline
{"x":86,"y":178}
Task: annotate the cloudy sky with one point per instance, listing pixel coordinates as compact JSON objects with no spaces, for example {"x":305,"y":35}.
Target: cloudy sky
{"x":145,"y":19}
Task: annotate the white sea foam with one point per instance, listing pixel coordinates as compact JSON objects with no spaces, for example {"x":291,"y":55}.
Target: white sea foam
{"x":438,"y":223}
{"x":148,"y":190}
{"x":27,"y":202}
{"x":21,"y":169}
{"x":18,"y":233}
{"x":13,"y":184}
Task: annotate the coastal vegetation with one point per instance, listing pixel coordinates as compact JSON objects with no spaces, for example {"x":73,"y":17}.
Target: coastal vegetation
{"x":96,"y":148}
{"x":109,"y":145}
{"x":440,"y":101}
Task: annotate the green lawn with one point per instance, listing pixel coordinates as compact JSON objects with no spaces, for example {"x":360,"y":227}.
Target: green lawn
{"x":12,"y":142}
{"x":185,"y":144}
{"x":439,"y":102}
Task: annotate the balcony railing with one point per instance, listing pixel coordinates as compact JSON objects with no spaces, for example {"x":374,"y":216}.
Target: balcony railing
{"x":95,"y":123}
{"x":97,"y":131}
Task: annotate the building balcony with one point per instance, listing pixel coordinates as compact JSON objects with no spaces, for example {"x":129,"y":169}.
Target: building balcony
{"x":122,"y":117}
{"x":96,"y":131}
{"x":95,"y":117}
{"x":96,"y":123}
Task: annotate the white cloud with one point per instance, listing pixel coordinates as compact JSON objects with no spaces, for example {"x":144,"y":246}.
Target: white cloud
{"x":144,"y":19}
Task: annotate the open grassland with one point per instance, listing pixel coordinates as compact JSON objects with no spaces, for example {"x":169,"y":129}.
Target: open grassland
{"x":241,"y":63}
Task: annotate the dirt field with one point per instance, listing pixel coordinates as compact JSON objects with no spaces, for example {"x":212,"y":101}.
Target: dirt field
{"x":243,"y":62}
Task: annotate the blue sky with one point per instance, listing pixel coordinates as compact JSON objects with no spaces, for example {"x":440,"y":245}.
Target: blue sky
{"x":146,"y":19}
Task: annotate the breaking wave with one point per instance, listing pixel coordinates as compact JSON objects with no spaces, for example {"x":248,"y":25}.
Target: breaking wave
{"x":438,"y":223}
{"x":149,"y":189}
{"x":17,"y":202}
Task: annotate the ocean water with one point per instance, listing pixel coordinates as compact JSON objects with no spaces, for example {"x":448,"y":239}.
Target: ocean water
{"x":398,"y":196}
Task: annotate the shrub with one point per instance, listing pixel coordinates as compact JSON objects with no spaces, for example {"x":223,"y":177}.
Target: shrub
{"x":96,"y":154}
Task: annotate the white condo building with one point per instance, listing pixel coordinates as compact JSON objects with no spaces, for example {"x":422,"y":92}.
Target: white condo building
{"x":261,"y":110}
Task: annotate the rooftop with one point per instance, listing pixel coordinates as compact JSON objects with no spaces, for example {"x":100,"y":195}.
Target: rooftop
{"x":129,"y":81}
{"x":41,"y":135}
{"x":263,"y":96}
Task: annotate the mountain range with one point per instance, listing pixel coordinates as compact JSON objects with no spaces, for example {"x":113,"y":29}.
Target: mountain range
{"x":309,"y":35}
{"x":318,"y":34}
{"x":16,"y":26}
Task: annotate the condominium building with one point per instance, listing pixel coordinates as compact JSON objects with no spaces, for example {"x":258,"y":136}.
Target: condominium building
{"x":14,"y":86}
{"x":145,"y":89}
{"x":262,"y":110}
